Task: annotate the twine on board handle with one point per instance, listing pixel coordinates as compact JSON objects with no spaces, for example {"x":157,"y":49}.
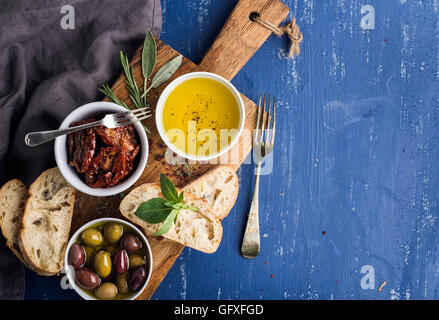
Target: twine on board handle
{"x":291,"y":29}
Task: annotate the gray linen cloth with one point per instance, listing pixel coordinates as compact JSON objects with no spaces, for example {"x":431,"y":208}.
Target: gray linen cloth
{"x":51,"y":62}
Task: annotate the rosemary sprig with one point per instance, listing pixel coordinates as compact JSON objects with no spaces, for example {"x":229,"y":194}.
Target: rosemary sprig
{"x":132,"y":87}
{"x":111,"y":96}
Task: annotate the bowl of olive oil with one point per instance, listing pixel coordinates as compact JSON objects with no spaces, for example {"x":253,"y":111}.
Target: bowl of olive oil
{"x":200,"y":116}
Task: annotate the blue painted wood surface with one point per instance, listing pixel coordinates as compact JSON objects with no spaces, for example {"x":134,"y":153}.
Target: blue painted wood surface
{"x":355,"y":174}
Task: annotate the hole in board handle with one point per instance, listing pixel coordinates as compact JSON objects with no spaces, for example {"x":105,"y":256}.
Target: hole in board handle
{"x":253,"y":15}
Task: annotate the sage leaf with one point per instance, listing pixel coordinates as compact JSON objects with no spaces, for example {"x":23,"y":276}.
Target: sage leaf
{"x":149,"y":54}
{"x":170,"y":219}
{"x":166,"y":71}
{"x":153,"y":210}
{"x":168,"y":189}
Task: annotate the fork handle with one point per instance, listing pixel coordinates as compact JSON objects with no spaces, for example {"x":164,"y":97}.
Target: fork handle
{"x":33,"y":139}
{"x":252,"y":240}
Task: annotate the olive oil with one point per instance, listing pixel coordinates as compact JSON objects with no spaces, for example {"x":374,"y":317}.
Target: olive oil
{"x":201,"y":116}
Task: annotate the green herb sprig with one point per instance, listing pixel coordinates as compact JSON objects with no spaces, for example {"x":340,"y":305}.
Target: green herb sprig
{"x":164,"y":73}
{"x":164,"y":209}
{"x":132,"y":87}
{"x":149,"y":56}
{"x":111,"y":96}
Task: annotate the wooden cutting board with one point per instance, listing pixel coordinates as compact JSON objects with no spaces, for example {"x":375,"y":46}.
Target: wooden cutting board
{"x":239,"y":39}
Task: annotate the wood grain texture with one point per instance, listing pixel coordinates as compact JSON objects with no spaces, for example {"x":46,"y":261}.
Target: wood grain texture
{"x":238,"y":41}
{"x":240,"y":38}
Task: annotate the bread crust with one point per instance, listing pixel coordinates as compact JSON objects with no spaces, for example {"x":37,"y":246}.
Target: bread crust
{"x":12,"y":243}
{"x":28,"y":260}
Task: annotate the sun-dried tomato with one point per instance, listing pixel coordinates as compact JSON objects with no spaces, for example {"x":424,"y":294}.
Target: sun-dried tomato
{"x":114,"y":160}
{"x":108,"y":168}
{"x":82,"y":147}
{"x":131,"y":157}
{"x":124,"y":137}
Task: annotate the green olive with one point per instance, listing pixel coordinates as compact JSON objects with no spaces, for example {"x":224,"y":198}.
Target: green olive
{"x":113,"y":232}
{"x":89,"y":255}
{"x":106,"y":291}
{"x":92,"y":237}
{"x":122,"y":282}
{"x":136,"y":260}
{"x":102,"y":264}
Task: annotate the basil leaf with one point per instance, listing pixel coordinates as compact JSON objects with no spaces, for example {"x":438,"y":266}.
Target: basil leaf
{"x":165,"y":210}
{"x":166,"y":71}
{"x":168,"y":189}
{"x":149,"y":54}
{"x":170,"y":204}
{"x":153,"y":211}
{"x":167,"y":223}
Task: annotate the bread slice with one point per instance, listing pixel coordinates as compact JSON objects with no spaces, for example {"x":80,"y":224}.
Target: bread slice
{"x":13,"y":196}
{"x":46,"y":222}
{"x":200,"y":230}
{"x":219,"y":187}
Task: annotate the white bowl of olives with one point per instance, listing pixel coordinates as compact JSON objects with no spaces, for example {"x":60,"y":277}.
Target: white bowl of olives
{"x":108,"y":259}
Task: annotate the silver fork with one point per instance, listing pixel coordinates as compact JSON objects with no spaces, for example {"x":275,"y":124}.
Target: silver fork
{"x":262,"y":145}
{"x":110,"y":121}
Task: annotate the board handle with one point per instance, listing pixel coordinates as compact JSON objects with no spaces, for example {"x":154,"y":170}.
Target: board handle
{"x":240,"y":37}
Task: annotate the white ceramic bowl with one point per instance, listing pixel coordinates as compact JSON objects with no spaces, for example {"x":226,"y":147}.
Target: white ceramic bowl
{"x":71,"y":175}
{"x":70,"y":272}
{"x":164,"y":96}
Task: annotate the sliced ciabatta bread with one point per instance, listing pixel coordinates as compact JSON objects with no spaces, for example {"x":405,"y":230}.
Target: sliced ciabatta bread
{"x":219,"y":187}
{"x":200,"y":230}
{"x":46,"y":222}
{"x":13,"y":196}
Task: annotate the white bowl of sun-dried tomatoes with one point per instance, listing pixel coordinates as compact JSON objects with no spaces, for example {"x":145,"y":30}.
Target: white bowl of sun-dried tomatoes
{"x":101,"y":161}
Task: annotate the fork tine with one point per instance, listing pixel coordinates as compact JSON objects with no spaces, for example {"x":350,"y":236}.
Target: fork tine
{"x":131,"y":111}
{"x":267,"y":134}
{"x":263,"y":121}
{"x":143,"y":118}
{"x":258,"y":119}
{"x":132,"y":116}
{"x":141,"y":110}
{"x":274,"y":121}
{"x":132,"y":119}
